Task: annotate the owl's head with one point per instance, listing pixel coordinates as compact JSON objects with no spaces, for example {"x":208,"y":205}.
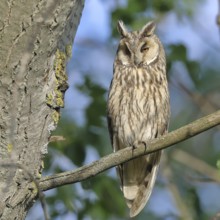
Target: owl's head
{"x":138,"y":48}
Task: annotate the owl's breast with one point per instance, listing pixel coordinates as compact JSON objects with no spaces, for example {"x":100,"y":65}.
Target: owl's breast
{"x":135,"y":105}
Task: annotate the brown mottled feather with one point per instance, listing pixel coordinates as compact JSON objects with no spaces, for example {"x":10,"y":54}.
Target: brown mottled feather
{"x":138,"y":109}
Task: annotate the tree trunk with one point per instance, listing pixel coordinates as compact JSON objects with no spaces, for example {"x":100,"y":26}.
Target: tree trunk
{"x":35,"y":40}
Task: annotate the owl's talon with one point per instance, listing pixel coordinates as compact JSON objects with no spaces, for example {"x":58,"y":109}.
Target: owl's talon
{"x":145,"y":145}
{"x":134,"y":147}
{"x":136,"y":144}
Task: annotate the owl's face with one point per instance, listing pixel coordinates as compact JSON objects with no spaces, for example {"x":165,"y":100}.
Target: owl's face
{"x":137,"y":48}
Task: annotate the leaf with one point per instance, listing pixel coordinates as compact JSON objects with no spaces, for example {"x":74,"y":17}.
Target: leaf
{"x":218,"y":164}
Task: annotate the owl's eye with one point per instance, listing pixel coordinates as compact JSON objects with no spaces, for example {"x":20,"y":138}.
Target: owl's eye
{"x":145,"y":47}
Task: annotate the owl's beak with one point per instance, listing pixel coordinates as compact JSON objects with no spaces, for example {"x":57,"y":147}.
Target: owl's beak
{"x":137,"y":61}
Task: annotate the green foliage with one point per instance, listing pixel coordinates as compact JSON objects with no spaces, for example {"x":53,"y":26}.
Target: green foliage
{"x":94,"y":132}
{"x":109,"y":198}
{"x":163,"y":6}
{"x":61,"y":201}
{"x":194,"y":203}
{"x":73,"y":135}
{"x":218,"y":164}
{"x":138,"y":12}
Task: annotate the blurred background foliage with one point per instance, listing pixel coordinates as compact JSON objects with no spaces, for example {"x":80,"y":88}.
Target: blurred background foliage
{"x":184,"y":188}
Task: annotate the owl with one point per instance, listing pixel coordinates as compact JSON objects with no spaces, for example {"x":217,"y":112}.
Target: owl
{"x":138,"y":109}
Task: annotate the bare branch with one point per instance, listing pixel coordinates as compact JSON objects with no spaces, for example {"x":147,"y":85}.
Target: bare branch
{"x":197,"y":165}
{"x":56,"y":138}
{"x":126,"y":154}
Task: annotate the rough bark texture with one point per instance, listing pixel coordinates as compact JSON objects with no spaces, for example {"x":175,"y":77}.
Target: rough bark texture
{"x":35,"y":38}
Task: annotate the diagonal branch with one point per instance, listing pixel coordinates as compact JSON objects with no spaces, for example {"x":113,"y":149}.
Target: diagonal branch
{"x":197,"y":165}
{"x":126,"y":154}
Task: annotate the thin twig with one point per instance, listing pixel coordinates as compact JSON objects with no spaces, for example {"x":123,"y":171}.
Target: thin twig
{"x":205,"y":104}
{"x":126,"y":154}
{"x":56,"y":138}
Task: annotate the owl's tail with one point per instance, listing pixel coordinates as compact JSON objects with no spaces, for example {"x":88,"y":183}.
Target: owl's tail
{"x":138,"y":178}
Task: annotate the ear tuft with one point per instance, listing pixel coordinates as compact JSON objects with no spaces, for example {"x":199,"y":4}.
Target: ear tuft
{"x":122,"y":29}
{"x":148,"y":29}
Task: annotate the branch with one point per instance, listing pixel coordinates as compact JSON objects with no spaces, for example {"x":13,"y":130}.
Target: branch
{"x":126,"y":154}
{"x":196,"y":164}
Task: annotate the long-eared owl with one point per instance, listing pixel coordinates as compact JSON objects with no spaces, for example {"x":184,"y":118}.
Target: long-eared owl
{"x":138,"y":109}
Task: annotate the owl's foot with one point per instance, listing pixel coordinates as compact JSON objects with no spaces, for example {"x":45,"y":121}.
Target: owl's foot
{"x":133,"y":147}
{"x":145,"y":145}
{"x":138,"y":143}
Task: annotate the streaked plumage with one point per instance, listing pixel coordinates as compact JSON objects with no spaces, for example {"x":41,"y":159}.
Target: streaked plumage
{"x":138,"y":109}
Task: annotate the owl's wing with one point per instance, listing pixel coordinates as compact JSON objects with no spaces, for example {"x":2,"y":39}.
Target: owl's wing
{"x":110,"y":128}
{"x":115,"y":146}
{"x":113,"y":136}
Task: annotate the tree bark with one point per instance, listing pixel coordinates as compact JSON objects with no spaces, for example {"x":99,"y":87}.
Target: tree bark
{"x":35,"y":40}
